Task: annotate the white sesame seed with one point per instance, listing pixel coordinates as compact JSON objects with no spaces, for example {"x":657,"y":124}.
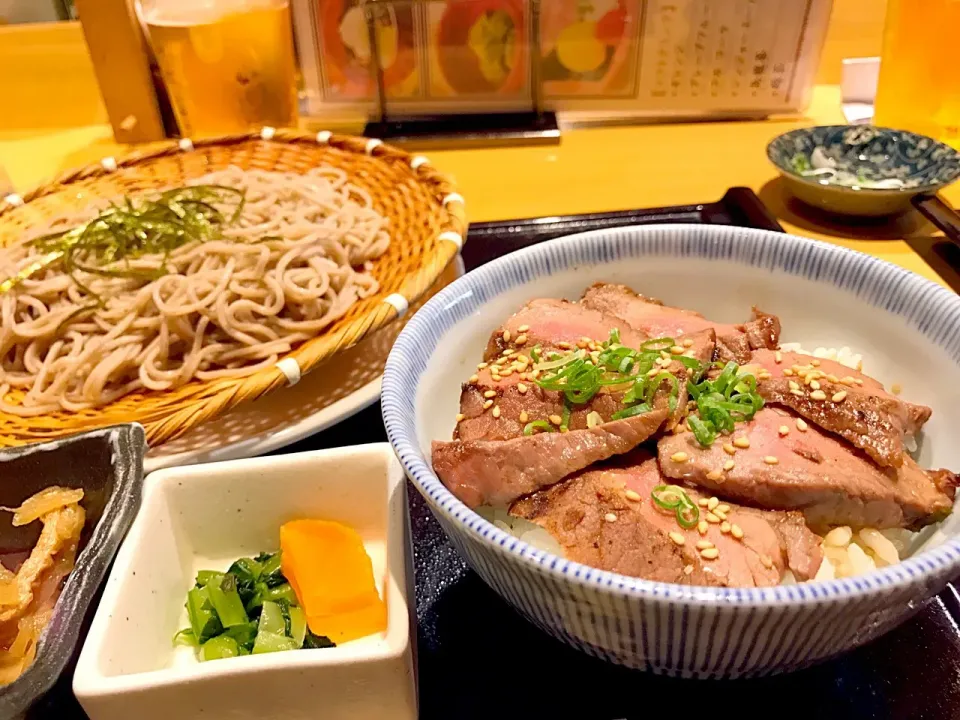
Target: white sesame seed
{"x":818,"y":395}
{"x":711,"y":518}
{"x":838,"y":397}
{"x":679,"y":457}
{"x":767,"y":561}
{"x":490,"y":394}
{"x":507,"y":353}
{"x":610,"y":517}
{"x":633,"y":495}
{"x":702,"y":502}
{"x":798,"y":393}
{"x":896,"y":389}
{"x":474,"y":379}
{"x":653,"y":373}
{"x":728,"y":465}
{"x":788,"y":372}
{"x":521,"y":340}
{"x":488,"y":404}
{"x":678,"y":538}
{"x":814,"y":384}
{"x":859,"y":381}
{"x":676,"y":350}
{"x":702,"y":527}
{"x":687,"y":343}
{"x":495,"y":377}
{"x":521,"y":388}
{"x":720,"y":514}
{"x":556,"y":419}
{"x":802,"y":425}
{"x":725,"y":527}
{"x":712,"y":503}
{"x":481,"y":366}
{"x":714,"y":474}
{"x":710,"y":554}
{"x":688,"y":569}
{"x":793,"y":385}
{"x":460,"y":417}
{"x":507,"y":373}
{"x":704,"y":544}
{"x":771,"y":460}
{"x":778,"y":358}
{"x":833,"y":378}
{"x":523,"y":416}
{"x":506,"y":336}
{"x":736,"y":531}
{"x":523,"y":328}
{"x":742,"y":442}
{"x":783,"y":430}
{"x":496,"y":411}
{"x":563,"y":345}
{"x":729,"y":449}
{"x":815,"y":362}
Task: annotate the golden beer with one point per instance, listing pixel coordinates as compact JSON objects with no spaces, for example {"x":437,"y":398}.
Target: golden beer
{"x":228,"y":66}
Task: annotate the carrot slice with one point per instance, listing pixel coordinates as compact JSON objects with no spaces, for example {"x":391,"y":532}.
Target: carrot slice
{"x":329,"y":569}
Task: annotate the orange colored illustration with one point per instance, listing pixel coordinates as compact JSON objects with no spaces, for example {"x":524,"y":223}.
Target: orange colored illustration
{"x":346,"y":53}
{"x":589,"y":47}
{"x":478,"y":47}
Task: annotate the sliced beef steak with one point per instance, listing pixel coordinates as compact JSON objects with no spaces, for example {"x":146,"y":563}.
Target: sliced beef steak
{"x":556,"y":324}
{"x":841,"y":400}
{"x":485,"y":472}
{"x":650,"y":316}
{"x":787,"y":468}
{"x":600,"y":523}
{"x":497,"y":407}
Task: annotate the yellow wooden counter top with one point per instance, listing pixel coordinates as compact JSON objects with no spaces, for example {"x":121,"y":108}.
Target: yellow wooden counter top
{"x":595,"y":169}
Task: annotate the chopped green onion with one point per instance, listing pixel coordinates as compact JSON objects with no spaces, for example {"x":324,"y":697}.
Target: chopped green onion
{"x":688,"y":516}
{"x":631,"y":411}
{"x":531,"y":427}
{"x":669,"y":497}
{"x":674,"y":498}
{"x":722,"y":402}
{"x":658,"y":344}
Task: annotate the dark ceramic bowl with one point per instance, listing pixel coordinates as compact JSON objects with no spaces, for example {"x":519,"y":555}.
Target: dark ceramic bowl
{"x":862,"y":169}
{"x":108,"y":465}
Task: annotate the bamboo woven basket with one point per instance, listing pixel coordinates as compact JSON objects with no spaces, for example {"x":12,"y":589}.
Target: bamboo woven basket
{"x":427,"y":224}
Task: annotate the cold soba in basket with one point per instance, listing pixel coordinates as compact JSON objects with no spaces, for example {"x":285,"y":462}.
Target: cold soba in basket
{"x":650,"y":441}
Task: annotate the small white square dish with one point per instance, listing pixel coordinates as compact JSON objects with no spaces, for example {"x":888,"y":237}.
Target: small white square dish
{"x":205,"y":517}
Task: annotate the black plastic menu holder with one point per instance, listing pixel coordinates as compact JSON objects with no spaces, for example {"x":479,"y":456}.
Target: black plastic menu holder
{"x":478,"y":658}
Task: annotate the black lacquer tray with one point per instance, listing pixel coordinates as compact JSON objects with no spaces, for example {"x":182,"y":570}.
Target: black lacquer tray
{"x":477,"y":658}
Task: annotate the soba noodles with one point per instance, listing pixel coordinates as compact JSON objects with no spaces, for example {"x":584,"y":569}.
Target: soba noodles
{"x":219,"y":307}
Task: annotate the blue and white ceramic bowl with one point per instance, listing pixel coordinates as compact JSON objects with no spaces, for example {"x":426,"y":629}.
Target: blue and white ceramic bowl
{"x":907,"y":328}
{"x":862,"y":169}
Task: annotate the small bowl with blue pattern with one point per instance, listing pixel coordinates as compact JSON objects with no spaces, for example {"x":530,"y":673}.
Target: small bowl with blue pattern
{"x":863,"y":170}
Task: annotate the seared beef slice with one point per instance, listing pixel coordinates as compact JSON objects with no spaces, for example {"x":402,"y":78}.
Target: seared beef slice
{"x":605,"y":518}
{"x":650,"y":316}
{"x":505,"y":383}
{"x":841,"y":400}
{"x":790,"y":464}
{"x":487,"y":472}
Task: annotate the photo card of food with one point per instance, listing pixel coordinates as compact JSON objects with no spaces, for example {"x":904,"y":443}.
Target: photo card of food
{"x":590,"y":48}
{"x":336,"y":34}
{"x":478,"y":55}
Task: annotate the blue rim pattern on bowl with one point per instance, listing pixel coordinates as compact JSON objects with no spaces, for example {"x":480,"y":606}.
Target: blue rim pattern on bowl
{"x":619,"y":611}
{"x":923,"y":164}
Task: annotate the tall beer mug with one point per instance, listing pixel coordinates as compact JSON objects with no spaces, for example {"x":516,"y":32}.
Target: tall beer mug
{"x":919,"y":86}
{"x":228,"y":65}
